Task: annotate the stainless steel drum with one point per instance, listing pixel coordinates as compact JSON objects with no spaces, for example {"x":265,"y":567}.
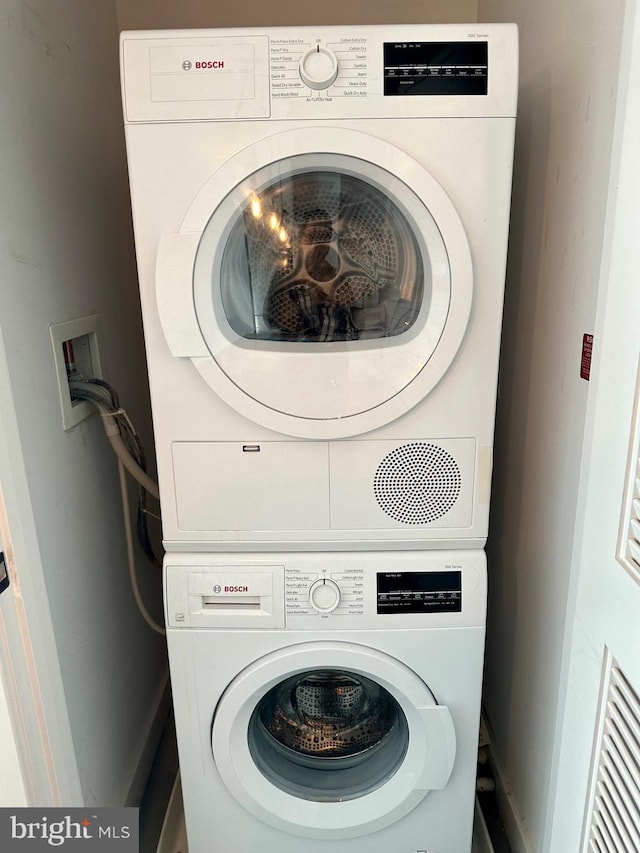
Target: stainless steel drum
{"x":328,"y":734}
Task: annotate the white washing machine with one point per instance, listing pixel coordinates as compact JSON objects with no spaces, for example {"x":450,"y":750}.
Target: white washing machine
{"x":327,"y":704}
{"x":321,"y":223}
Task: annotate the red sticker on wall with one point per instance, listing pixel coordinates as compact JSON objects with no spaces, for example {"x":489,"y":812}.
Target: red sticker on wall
{"x":585,"y":363}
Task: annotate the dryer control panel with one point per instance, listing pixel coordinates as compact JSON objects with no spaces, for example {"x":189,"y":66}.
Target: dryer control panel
{"x":461,"y":70}
{"x":334,"y":67}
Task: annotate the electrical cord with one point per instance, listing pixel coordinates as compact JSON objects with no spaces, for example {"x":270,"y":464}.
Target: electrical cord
{"x":130,"y":453}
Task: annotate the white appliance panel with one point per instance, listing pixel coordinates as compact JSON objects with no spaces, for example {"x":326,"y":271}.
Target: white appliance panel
{"x":257,"y":475}
{"x":327,"y":486}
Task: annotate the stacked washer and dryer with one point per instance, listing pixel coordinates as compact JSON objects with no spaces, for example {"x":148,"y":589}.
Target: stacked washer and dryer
{"x":321,"y":222}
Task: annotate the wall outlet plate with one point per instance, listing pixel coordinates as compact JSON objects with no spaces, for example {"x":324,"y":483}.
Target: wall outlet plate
{"x":83,"y":333}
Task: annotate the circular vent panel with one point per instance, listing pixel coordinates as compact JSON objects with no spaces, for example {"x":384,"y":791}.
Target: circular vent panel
{"x":417,"y":483}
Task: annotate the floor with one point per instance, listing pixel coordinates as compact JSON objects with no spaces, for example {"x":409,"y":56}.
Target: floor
{"x":173,"y":838}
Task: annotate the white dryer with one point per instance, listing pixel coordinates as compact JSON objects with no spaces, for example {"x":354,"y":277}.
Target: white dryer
{"x":321,"y":223}
{"x":327,"y":705}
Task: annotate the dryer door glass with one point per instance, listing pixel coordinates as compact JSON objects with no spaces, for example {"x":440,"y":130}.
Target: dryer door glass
{"x":321,"y":256}
{"x":328,"y":735}
{"x":331,"y":292}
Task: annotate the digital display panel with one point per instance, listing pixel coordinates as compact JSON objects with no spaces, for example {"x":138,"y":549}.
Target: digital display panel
{"x":419,"y":592}
{"x":436,"y":68}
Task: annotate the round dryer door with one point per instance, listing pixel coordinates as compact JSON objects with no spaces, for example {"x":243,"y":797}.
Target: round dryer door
{"x":331,"y":740}
{"x":332,"y":282}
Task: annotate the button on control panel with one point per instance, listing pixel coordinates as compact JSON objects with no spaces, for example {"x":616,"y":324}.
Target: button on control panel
{"x":324,"y":593}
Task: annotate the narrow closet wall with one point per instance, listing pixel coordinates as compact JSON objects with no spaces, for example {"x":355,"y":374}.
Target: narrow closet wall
{"x":67,"y":252}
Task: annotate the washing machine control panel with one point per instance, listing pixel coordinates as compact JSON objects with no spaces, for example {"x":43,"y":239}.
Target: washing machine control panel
{"x":326,"y":591}
{"x":355,"y":591}
{"x":320,"y":593}
{"x":343,"y":593}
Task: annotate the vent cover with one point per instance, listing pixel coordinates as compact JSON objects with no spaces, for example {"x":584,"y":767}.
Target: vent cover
{"x":417,"y":483}
{"x":615,"y":815}
{"x":629,"y":542}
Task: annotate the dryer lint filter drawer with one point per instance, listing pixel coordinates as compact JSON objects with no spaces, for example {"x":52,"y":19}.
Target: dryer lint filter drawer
{"x":270,"y":485}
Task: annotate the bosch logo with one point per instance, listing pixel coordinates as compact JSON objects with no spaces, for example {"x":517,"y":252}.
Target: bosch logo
{"x":217,"y":588}
{"x":186,"y":65}
{"x":236,"y":589}
{"x":215,"y":63}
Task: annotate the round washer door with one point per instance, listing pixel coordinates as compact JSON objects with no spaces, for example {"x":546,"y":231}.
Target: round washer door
{"x":332,"y":282}
{"x":331,"y":740}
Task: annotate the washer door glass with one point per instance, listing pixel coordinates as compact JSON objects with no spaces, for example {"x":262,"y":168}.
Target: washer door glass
{"x":328,"y":736}
{"x":321,"y":256}
{"x":330,"y":739}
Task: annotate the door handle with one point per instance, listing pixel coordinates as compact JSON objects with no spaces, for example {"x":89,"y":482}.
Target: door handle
{"x":441,"y":747}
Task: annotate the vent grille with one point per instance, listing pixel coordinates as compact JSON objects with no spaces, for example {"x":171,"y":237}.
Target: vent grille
{"x":615,"y":817}
{"x":417,"y":483}
{"x":633,"y":538}
{"x":629,"y":543}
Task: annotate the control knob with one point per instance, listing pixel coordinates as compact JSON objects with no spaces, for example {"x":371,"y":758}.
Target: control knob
{"x":319,"y":68}
{"x":324,"y":595}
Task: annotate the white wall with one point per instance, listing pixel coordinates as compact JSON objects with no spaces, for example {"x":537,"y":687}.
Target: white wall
{"x":569,"y":64}
{"x":12,"y":787}
{"x":66,"y":251}
{"x":160,"y":14}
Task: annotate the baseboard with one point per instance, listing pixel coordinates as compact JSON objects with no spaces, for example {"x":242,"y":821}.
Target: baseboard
{"x":173,"y":838}
{"x":156,"y":722}
{"x":512,"y":822}
{"x":481,"y":838}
